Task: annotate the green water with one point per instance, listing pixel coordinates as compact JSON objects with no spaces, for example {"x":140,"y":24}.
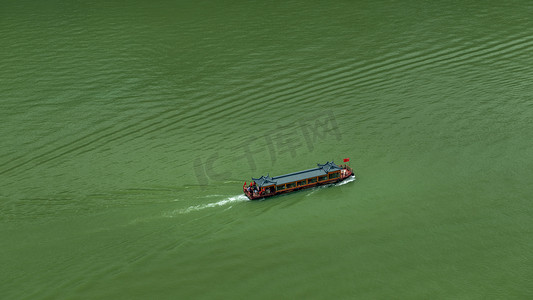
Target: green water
{"x":129,"y":127}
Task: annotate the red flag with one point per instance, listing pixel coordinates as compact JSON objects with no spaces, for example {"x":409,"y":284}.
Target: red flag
{"x":346,"y":159}
{"x":244,"y":184}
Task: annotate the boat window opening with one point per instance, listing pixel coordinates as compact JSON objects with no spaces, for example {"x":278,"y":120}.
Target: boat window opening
{"x":322,"y":178}
{"x":280,"y":187}
{"x":311,"y":180}
{"x":333,"y":175}
{"x":300,"y":183}
{"x":291,"y":185}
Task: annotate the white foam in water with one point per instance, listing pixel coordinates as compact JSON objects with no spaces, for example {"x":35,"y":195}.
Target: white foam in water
{"x":232,"y":199}
{"x":350,"y":179}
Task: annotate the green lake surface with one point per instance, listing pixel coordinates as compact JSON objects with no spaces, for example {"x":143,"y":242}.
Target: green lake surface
{"x":129,"y":127}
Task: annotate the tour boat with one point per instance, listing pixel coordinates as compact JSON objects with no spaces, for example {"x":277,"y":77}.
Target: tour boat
{"x":266,"y":186}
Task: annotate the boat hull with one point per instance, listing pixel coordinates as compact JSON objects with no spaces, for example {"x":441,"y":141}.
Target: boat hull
{"x":345,"y":174}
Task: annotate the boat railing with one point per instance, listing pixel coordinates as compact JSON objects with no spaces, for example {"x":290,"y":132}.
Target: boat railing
{"x":346,"y":167}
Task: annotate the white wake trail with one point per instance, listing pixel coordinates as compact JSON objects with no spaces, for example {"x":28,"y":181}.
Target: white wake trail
{"x":232,"y":199}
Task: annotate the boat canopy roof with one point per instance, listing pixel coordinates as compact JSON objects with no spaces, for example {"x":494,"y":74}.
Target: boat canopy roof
{"x":322,"y":169}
